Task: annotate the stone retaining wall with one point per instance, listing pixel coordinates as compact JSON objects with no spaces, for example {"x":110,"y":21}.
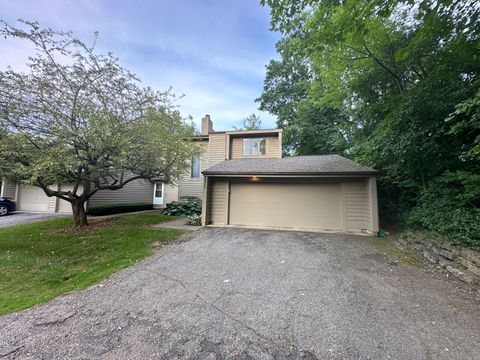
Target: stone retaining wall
{"x":460,"y":262}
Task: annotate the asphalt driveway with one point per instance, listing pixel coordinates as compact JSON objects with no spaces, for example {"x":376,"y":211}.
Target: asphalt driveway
{"x":25,"y":218}
{"x":243,"y":294}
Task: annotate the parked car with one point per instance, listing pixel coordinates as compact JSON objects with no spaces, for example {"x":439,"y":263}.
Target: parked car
{"x":6,"y":206}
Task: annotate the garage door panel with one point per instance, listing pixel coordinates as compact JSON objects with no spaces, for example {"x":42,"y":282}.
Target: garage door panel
{"x":32,"y":199}
{"x":309,"y":206}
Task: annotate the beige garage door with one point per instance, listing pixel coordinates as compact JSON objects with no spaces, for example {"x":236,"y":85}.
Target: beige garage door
{"x":308,"y":206}
{"x":32,"y":199}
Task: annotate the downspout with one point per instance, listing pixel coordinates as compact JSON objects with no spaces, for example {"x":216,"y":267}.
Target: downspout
{"x":204,"y":201}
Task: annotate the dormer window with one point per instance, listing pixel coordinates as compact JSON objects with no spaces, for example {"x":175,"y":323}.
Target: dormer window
{"x":253,"y":147}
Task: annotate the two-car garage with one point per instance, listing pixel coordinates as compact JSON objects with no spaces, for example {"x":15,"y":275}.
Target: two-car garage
{"x":321,"y":201}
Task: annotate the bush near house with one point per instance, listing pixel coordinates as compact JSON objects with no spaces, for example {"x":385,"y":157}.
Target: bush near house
{"x":195,"y":220}
{"x":117,"y":209}
{"x":450,"y":206}
{"x":183,"y":208}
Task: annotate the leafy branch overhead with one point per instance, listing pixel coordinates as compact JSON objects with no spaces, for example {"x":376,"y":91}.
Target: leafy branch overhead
{"x":251,"y":122}
{"x":78,"y":117}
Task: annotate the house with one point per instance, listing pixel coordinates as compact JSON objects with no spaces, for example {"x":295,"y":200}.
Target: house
{"x":248,"y":183}
{"x":243,"y":180}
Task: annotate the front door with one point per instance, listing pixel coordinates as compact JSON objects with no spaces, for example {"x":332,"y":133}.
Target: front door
{"x":158,"y":193}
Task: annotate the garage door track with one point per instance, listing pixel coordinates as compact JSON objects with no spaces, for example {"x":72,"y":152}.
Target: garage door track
{"x":245,"y":294}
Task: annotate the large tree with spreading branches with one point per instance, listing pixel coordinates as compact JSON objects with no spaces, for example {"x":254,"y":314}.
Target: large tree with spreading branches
{"x":78,"y":117}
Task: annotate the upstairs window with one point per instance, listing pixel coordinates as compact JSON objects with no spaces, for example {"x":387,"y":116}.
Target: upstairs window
{"x":195,"y":174}
{"x":253,"y":147}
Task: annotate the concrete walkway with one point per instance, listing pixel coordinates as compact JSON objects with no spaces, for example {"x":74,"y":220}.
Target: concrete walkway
{"x":180,"y":223}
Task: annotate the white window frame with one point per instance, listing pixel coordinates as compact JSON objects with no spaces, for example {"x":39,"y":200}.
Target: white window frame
{"x":252,"y":148}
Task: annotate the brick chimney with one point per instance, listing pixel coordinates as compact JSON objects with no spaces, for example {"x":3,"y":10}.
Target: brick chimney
{"x":207,"y":125}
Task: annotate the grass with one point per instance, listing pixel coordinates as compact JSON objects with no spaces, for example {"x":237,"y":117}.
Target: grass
{"x":387,"y":247}
{"x":42,"y":260}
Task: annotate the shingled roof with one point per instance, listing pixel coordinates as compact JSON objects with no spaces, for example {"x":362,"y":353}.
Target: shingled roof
{"x":293,"y":165}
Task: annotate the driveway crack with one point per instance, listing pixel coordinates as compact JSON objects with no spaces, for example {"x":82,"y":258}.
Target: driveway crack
{"x":218,"y":309}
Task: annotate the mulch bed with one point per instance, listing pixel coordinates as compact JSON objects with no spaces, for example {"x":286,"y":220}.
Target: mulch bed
{"x":93,"y":225}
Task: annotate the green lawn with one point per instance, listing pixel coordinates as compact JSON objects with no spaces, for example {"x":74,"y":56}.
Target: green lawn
{"x":42,"y":260}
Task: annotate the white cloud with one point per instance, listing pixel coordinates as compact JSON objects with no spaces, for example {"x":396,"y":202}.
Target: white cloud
{"x":213,"y":52}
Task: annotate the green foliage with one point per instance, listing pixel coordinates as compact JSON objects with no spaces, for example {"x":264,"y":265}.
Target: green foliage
{"x":43,"y":260}
{"x":251,"y":122}
{"x":195,"y":219}
{"x":183,"y":208}
{"x":450,"y":205}
{"x":465,"y":122}
{"x":117,"y":209}
{"x":392,"y":84}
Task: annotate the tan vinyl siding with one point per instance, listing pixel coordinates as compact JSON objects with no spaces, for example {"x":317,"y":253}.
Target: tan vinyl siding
{"x":137,"y":191}
{"x":357,"y":203}
{"x":272,"y":148}
{"x":189,"y":186}
{"x":372,"y":187}
{"x":10,"y":189}
{"x":170,"y":193}
{"x":217,"y":148}
{"x":218,"y":202}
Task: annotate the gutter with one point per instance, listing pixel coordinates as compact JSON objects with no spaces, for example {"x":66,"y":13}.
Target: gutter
{"x":288,"y":174}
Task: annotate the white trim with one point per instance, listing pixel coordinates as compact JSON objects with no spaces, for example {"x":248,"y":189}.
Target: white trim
{"x":2,"y":188}
{"x":252,"y":147}
{"x":17,"y":190}
{"x":158,"y":200}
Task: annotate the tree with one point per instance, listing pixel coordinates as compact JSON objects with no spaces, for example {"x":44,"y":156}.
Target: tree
{"x":309,"y":127}
{"x":395,"y":80}
{"x":251,"y":122}
{"x":79,"y":118}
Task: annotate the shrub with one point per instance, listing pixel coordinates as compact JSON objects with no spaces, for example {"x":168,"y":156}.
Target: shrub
{"x":191,"y":198}
{"x":117,"y":209}
{"x":195,"y":219}
{"x":450,"y":206}
{"x":183,"y":208}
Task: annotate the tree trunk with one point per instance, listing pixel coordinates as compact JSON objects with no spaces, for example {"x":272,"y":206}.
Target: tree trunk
{"x":79,"y":216}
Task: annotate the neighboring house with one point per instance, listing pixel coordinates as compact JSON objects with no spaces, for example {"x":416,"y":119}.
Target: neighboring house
{"x":33,"y":199}
{"x":242,"y":180}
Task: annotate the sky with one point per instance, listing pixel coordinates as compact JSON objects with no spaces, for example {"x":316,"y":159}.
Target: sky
{"x":212,"y":51}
